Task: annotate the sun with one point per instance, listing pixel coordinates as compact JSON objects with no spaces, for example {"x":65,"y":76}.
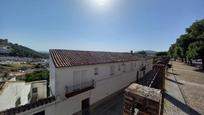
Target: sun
{"x":101,"y":2}
{"x":100,"y":5}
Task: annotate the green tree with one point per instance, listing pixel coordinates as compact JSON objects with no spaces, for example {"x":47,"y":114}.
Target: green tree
{"x":189,"y":45}
{"x":37,"y":75}
{"x":171,"y":51}
{"x":183,"y":43}
{"x":196,"y":30}
{"x":178,"y":53}
{"x":142,"y":52}
{"x":162,"y":53}
{"x":196,"y":51}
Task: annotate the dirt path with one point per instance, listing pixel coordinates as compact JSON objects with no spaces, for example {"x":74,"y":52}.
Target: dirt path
{"x":184,"y":90}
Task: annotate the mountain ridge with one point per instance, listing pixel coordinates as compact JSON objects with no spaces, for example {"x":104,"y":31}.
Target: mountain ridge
{"x":13,"y":49}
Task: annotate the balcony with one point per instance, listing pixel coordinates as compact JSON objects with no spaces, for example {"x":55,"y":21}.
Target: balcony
{"x":79,"y":88}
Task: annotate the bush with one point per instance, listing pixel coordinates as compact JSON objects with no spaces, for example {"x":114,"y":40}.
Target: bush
{"x":37,"y":75}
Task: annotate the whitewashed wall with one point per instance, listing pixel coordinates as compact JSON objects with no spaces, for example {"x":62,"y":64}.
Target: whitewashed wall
{"x":106,"y":84}
{"x":16,"y":89}
{"x":41,"y":88}
{"x":12,"y":92}
{"x":52,"y":77}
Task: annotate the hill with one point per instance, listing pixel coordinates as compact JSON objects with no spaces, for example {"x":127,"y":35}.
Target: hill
{"x":147,"y":52}
{"x":11,"y":49}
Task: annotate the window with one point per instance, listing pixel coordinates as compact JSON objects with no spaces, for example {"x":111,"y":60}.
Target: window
{"x":124,"y":67}
{"x":118,"y":67}
{"x":35,"y":90}
{"x":131,"y":66}
{"x":40,"y":113}
{"x":112,"y":70}
{"x":96,"y":71}
{"x":18,"y":102}
{"x":29,"y":96}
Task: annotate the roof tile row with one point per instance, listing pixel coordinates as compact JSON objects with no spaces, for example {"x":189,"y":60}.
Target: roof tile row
{"x":68,"y":58}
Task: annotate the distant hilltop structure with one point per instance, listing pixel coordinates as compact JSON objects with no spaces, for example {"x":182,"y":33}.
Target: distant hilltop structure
{"x":3,"y":41}
{"x":4,"y":48}
{"x":13,"y":49}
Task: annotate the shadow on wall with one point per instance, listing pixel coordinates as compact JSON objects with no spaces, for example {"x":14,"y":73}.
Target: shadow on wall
{"x":185,"y":108}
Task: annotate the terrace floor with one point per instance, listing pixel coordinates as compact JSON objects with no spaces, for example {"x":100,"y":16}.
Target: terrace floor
{"x":184,"y":90}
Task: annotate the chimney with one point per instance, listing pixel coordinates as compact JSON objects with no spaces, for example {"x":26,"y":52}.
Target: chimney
{"x":131,"y":52}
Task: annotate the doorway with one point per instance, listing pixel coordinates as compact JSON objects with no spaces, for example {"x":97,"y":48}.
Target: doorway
{"x":137,"y":79}
{"x":85,"y":107}
{"x":144,"y":73}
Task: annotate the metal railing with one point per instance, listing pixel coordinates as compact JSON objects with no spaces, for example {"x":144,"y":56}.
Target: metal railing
{"x":79,"y":87}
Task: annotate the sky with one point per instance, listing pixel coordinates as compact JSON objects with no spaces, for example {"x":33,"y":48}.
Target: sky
{"x":99,"y":25}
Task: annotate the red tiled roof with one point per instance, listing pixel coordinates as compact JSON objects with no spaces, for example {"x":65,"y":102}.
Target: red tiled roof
{"x":68,"y":58}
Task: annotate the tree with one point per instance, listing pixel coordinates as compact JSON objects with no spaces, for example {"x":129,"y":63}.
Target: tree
{"x":142,"y":52}
{"x":196,"y":30}
{"x":162,"y":53}
{"x":171,"y":51}
{"x":189,"y":45}
{"x":196,"y":51}
{"x":37,"y":75}
{"x":183,"y":43}
{"x":178,"y":53}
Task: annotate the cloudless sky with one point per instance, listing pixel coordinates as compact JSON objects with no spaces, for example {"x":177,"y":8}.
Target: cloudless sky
{"x":104,"y":25}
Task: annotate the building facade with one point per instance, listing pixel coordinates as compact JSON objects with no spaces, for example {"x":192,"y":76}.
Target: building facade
{"x":102,"y":77}
{"x":16,"y":93}
{"x":81,"y":80}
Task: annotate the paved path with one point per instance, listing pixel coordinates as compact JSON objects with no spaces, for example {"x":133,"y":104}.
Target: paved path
{"x":184,"y":90}
{"x":174,"y":103}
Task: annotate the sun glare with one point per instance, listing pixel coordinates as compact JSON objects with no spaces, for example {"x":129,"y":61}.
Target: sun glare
{"x":101,"y":2}
{"x":101,"y":6}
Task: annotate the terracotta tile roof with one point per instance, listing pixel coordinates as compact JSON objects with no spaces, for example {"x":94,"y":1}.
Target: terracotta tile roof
{"x":68,"y":58}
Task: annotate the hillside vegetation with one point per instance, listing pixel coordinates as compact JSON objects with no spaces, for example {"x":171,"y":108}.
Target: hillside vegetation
{"x":19,"y":50}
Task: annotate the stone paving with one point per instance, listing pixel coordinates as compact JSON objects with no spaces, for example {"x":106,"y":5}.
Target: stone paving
{"x":174,"y":103}
{"x":184,"y":90}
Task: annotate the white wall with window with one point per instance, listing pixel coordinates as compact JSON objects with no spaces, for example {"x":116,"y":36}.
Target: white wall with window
{"x":109,"y":78}
{"x":106,"y":85}
{"x":112,"y":70}
{"x":14,"y":94}
{"x":39,"y":88}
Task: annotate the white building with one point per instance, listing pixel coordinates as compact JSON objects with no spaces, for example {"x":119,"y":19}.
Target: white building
{"x":80,"y":80}
{"x":16,"y":93}
{"x":83,"y":78}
